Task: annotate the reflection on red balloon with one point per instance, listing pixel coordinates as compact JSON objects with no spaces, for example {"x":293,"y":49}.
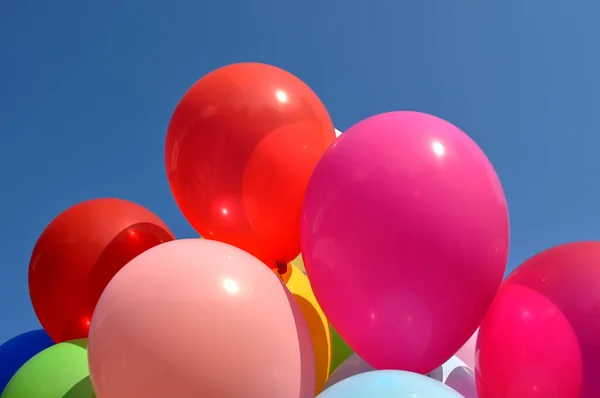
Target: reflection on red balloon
{"x":78,"y":254}
{"x":240,"y":149}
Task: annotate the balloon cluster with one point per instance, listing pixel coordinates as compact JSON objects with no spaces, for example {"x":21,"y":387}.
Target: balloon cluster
{"x":354,"y":265}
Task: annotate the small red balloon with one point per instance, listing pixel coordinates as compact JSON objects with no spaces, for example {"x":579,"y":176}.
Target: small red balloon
{"x":78,"y":254}
{"x":240,"y":149}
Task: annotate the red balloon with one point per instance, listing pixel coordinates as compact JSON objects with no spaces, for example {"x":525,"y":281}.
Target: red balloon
{"x":526,"y":348}
{"x":240,"y":149}
{"x":78,"y":254}
{"x":569,"y":276}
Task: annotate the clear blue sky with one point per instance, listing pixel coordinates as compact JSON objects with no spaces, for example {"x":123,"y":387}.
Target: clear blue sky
{"x":87,"y":89}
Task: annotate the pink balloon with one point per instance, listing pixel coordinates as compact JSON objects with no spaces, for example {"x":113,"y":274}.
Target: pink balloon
{"x":198,"y":318}
{"x":467,"y":351}
{"x":405,"y":239}
{"x":527,"y":348}
{"x":569,"y":276}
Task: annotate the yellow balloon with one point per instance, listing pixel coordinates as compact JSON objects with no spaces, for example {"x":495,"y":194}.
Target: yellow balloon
{"x":299,"y":263}
{"x":297,"y":283}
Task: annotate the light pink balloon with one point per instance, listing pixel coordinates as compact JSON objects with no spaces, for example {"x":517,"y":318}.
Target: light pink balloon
{"x":198,"y":318}
{"x":467,"y":351}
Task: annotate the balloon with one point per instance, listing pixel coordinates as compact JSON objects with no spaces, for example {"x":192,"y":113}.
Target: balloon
{"x":389,"y":384}
{"x":353,"y":365}
{"x":339,"y":350}
{"x":299,"y":263}
{"x":467,"y":351}
{"x":240,"y":149}
{"x":77,"y":255}
{"x":451,"y":373}
{"x":527,"y":348}
{"x":18,"y":350}
{"x":569,"y":276}
{"x":199,"y":318}
{"x":60,"y":371}
{"x":406,"y":217}
{"x":337,"y":133}
{"x":297,"y":283}
{"x":462,"y":380}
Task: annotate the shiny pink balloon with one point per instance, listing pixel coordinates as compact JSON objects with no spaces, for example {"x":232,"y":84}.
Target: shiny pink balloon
{"x":527,"y":348}
{"x":198,"y":318}
{"x":405,"y":239}
{"x":569,"y":276}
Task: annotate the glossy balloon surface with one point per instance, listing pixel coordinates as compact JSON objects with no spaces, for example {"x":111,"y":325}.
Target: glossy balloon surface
{"x":60,"y":371}
{"x":78,"y":254}
{"x":298,"y":284}
{"x":405,"y":238}
{"x":18,"y":350}
{"x":389,"y":384}
{"x":199,"y":318}
{"x":240,"y":149}
{"x":569,"y":276}
{"x":527,"y":348}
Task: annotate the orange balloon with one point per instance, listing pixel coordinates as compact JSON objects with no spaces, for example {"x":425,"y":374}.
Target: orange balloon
{"x":240,"y":149}
{"x":318,"y":326}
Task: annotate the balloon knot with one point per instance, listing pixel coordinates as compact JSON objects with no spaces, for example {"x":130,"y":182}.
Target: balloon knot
{"x":281,"y":268}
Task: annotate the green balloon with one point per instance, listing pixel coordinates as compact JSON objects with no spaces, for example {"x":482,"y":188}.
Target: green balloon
{"x":60,"y":371}
{"x":339,"y":350}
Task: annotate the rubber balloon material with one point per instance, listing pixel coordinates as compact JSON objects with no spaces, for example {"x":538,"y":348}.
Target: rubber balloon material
{"x":339,"y":350}
{"x":60,"y":371}
{"x":298,"y":284}
{"x":527,"y":348}
{"x":462,"y":380}
{"x":199,"y":318}
{"x":405,"y":216}
{"x":17,"y":351}
{"x":569,"y":276}
{"x":240,"y":149}
{"x":78,"y":254}
{"x":389,"y":384}
{"x":467,"y":351}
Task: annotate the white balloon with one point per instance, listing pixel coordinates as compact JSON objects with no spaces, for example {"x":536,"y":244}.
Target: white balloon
{"x":337,"y":133}
{"x":454,"y":373}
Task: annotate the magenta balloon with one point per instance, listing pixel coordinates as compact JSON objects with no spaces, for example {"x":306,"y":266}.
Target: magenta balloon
{"x":405,"y":239}
{"x":569,"y":276}
{"x":198,"y":318}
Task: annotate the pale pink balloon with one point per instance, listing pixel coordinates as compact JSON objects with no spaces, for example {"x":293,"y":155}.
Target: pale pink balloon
{"x":467,"y":351}
{"x":198,"y":318}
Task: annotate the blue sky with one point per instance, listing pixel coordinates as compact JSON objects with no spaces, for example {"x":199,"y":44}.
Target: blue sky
{"x":88,"y":88}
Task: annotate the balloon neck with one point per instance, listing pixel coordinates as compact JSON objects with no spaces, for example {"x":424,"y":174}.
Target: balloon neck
{"x":282,"y":268}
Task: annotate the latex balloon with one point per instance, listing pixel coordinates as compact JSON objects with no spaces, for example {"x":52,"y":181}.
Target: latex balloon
{"x":353,"y":365}
{"x":416,"y":196}
{"x":77,"y":255}
{"x":299,"y":263}
{"x":199,"y":318}
{"x":467,"y":351}
{"x":527,"y":348}
{"x":339,"y":350}
{"x":297,"y":283}
{"x":60,"y":371}
{"x":18,"y":350}
{"x":240,"y":149}
{"x":569,"y":276}
{"x":389,"y":384}
{"x":462,"y":380}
